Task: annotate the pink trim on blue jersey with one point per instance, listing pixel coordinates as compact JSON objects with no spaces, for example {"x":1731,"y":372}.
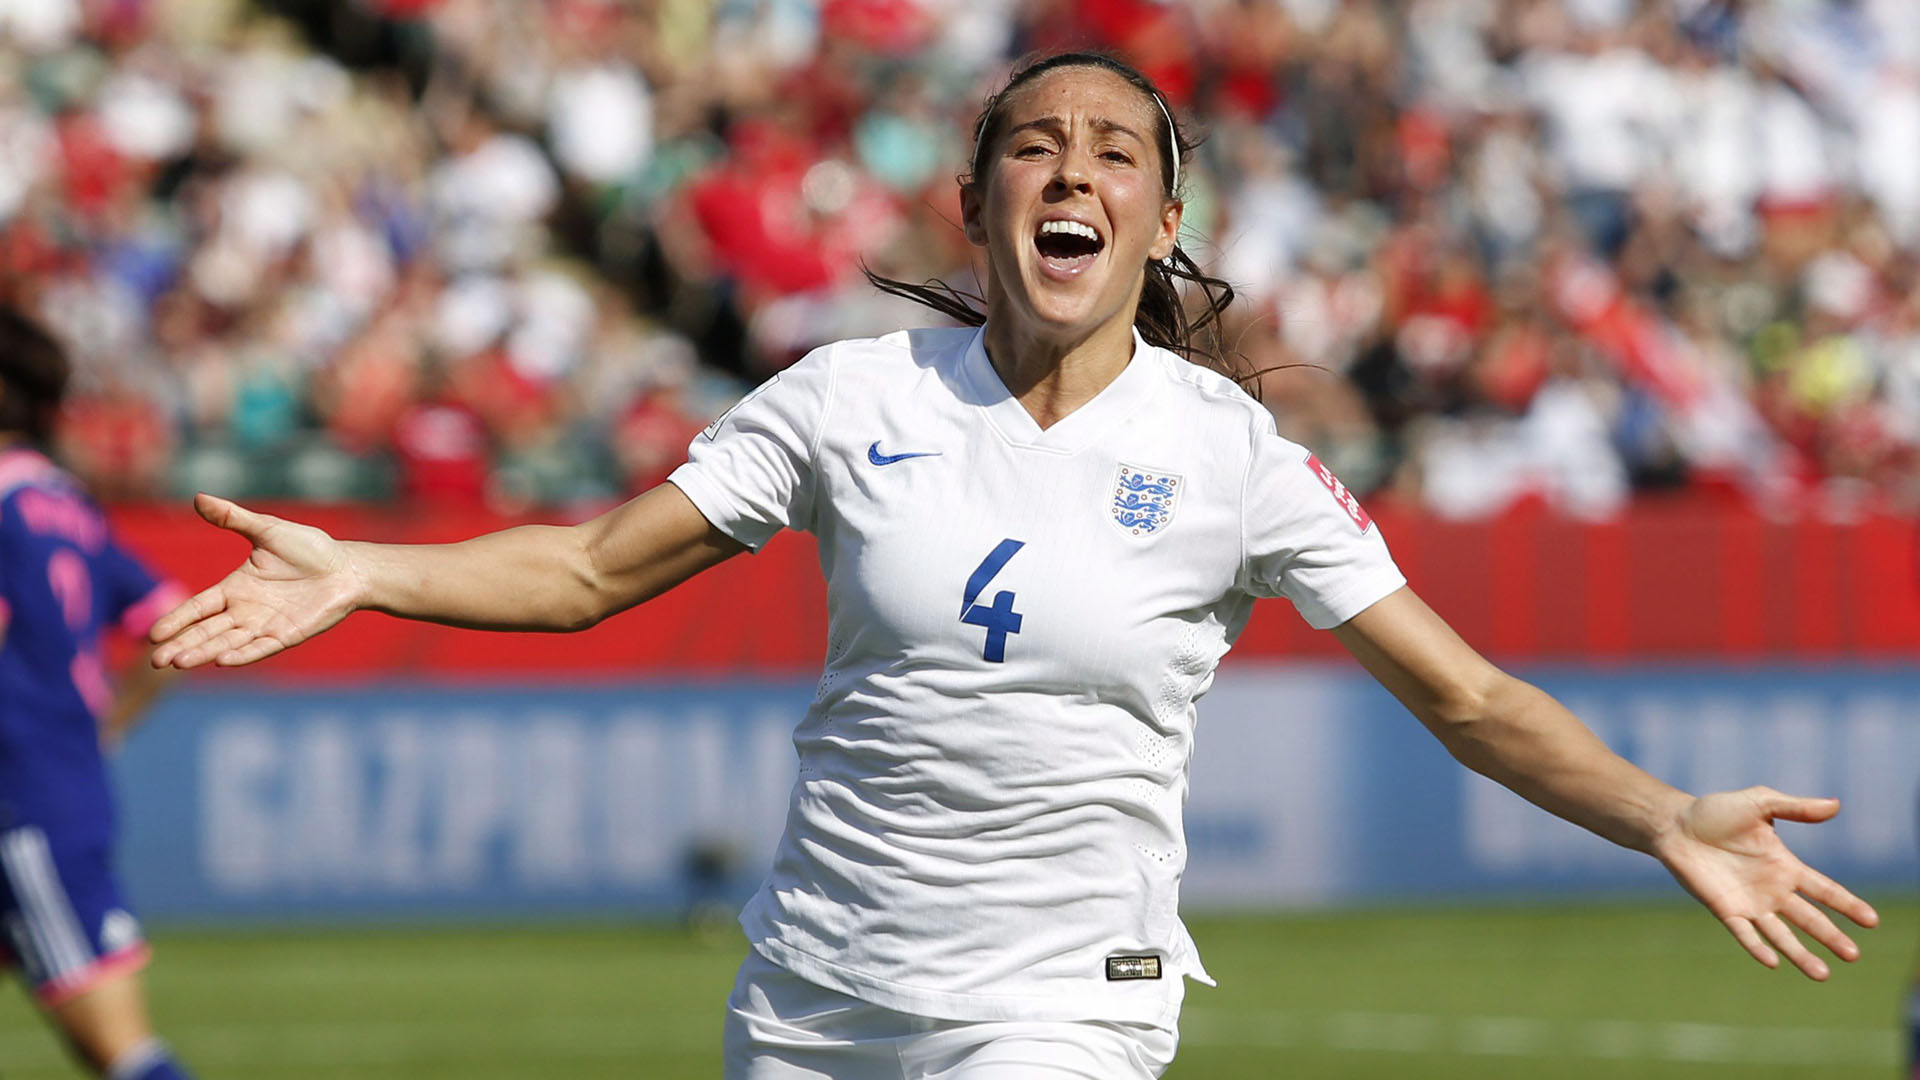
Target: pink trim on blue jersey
{"x":74,"y":983}
{"x":72,"y":585}
{"x":141,"y":616}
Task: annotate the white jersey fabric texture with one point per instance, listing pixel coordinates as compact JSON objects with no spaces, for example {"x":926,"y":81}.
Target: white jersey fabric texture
{"x":1020,"y":620}
{"x":779,"y":1026}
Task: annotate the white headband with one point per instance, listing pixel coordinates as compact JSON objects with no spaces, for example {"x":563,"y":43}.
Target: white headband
{"x":1173,"y":139}
{"x":1173,"y":144}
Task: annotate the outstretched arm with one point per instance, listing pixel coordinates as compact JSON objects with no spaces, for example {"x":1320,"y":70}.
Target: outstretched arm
{"x":140,"y":684}
{"x":1721,"y":848}
{"x":299,"y":581}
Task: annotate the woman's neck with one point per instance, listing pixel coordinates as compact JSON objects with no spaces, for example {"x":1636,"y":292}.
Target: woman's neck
{"x":1051,"y":378}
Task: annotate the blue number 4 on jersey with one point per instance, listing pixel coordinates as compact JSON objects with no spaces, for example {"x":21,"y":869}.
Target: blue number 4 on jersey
{"x":998,"y":618}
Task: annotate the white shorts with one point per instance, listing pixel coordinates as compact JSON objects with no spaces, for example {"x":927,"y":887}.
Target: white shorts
{"x":782,"y":1027}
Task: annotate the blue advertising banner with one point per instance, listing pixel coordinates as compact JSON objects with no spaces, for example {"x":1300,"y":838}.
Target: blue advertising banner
{"x":1310,"y":785}
{"x":404,"y":801}
{"x":1852,"y":733}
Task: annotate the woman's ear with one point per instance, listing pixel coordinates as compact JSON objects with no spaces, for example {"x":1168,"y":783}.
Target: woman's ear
{"x":1168,"y":237}
{"x":970,"y":210}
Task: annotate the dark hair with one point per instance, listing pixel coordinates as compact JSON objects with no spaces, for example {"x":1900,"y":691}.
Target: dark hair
{"x":33,"y":376}
{"x":1162,"y":317}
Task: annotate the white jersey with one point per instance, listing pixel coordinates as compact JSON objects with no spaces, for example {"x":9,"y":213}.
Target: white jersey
{"x":987,"y":822}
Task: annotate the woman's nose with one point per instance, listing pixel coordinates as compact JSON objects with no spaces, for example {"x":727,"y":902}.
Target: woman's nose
{"x":1073,"y":173}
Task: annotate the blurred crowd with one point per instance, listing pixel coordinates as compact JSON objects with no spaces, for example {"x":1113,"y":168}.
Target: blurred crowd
{"x":517,"y":252}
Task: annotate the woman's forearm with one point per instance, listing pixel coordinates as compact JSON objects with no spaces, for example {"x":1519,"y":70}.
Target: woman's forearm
{"x":1721,"y":847}
{"x":299,"y":582}
{"x":1507,"y":729}
{"x":533,"y":577}
{"x":544,"y":577}
{"x":1519,"y":736}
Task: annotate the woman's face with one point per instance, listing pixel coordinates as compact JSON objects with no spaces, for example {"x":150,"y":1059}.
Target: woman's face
{"x":1071,"y":203}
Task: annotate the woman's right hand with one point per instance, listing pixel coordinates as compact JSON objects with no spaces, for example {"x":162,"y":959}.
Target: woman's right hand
{"x":297,"y":582}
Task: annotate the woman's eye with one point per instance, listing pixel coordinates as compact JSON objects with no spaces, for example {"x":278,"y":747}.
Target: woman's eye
{"x":1030,"y":150}
{"x":1118,"y":157}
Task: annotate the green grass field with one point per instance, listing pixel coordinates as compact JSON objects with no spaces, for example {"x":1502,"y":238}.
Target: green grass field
{"x":1570,"y":993}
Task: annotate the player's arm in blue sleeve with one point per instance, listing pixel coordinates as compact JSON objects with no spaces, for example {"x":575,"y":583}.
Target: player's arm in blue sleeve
{"x":1722,"y":848}
{"x":136,"y":598}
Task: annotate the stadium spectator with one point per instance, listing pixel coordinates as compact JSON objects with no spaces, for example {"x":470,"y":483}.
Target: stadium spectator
{"x":65,"y":586}
{"x":981,"y":868}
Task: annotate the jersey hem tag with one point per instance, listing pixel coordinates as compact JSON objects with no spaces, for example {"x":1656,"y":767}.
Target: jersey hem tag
{"x":1122,"y":968}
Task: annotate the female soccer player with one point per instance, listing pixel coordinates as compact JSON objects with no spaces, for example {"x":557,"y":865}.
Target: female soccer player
{"x":63,"y":584}
{"x":1039,"y":537}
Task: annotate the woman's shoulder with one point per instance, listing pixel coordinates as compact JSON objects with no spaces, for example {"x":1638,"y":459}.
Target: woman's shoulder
{"x":1222,"y":399}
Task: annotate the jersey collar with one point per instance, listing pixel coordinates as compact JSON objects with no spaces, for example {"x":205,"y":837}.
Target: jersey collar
{"x":1119,"y":399}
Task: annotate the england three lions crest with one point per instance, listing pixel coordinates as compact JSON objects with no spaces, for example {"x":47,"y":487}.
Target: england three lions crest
{"x":1144,"y":500}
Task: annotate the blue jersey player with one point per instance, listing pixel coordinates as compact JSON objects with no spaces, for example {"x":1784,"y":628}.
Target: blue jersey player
{"x":64,"y":586}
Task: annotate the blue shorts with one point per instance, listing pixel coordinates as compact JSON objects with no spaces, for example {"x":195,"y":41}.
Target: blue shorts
{"x":63,"y":920}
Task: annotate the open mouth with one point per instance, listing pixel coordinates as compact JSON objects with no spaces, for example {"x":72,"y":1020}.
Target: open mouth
{"x":1067,"y":247}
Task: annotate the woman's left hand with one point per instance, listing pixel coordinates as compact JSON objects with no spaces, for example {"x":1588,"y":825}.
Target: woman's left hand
{"x":1723,"y":850}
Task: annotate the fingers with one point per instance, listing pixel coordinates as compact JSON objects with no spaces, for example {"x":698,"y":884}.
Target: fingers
{"x":231,"y":515}
{"x":1815,"y":884}
{"x":1814,"y":923}
{"x":257,"y":649}
{"x":234,"y":647}
{"x":217,"y":646}
{"x":1831,"y":893}
{"x":207,"y":602}
{"x":1742,"y":930}
{"x":1782,"y":937}
{"x":1794,"y":808}
{"x":187,"y":642}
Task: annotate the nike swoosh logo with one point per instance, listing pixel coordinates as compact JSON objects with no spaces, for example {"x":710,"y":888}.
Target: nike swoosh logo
{"x":875,"y":456}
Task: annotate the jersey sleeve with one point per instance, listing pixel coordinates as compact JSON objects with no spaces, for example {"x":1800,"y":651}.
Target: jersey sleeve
{"x":752,"y":472}
{"x":135,"y":597}
{"x":1306,"y":537}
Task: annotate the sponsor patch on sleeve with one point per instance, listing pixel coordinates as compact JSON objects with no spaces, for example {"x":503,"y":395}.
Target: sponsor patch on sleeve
{"x":1121,"y":968}
{"x":1340,"y":493}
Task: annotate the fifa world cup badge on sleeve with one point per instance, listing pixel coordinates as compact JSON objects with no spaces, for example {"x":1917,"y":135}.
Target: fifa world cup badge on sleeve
{"x":1144,"y":500}
{"x":1340,"y":493}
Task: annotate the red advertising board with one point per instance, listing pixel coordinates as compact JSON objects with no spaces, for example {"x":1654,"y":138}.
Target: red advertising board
{"x":1690,"y":580}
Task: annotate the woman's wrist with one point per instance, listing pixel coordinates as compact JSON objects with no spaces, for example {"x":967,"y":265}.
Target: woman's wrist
{"x":1665,"y":822}
{"x":362,"y":569}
